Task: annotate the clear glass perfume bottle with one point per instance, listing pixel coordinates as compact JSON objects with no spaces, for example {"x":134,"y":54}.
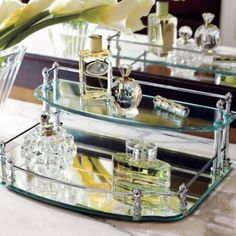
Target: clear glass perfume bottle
{"x":138,"y":168}
{"x":162,"y":29}
{"x":207,"y":36}
{"x":186,"y":53}
{"x":48,"y":149}
{"x":127,"y":94}
{"x":95,"y":70}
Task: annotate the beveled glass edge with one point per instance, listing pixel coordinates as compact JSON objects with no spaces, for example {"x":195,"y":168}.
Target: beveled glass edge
{"x":163,"y":63}
{"x":93,"y":212}
{"x":128,"y":122}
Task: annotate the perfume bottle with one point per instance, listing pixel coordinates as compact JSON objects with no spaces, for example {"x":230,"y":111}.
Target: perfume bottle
{"x":186,"y":53}
{"x":207,"y":36}
{"x":162,"y":29}
{"x":126,"y":94}
{"x":95,"y":70}
{"x":48,"y":149}
{"x":170,"y":106}
{"x":139,"y":168}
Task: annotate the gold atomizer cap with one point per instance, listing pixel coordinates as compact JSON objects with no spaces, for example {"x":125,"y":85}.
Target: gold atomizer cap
{"x":95,"y":43}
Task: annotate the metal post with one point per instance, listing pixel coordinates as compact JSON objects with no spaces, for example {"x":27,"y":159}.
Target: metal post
{"x":226,"y":131}
{"x":2,"y":155}
{"x":55,"y":67}
{"x":118,"y":48}
{"x":137,"y":202}
{"x":45,"y":74}
{"x":183,"y":195}
{"x":218,"y":161}
{"x":144,"y":60}
{"x":11,"y":175}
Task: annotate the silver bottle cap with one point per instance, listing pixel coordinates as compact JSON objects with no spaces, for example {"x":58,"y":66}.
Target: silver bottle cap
{"x":140,"y":150}
{"x":47,"y":126}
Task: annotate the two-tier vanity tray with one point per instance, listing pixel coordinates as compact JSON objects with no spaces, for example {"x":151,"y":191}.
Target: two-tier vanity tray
{"x":195,"y":173}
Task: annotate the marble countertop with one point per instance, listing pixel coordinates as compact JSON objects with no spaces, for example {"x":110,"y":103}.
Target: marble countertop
{"x":23,"y":216}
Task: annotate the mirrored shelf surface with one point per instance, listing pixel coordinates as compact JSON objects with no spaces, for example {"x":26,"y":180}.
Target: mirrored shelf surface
{"x":87,"y":185}
{"x":68,"y":98}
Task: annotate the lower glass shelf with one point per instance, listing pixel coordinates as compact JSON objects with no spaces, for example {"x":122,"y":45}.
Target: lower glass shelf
{"x":87,"y":185}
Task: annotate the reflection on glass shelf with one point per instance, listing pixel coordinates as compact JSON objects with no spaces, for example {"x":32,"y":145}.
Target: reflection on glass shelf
{"x":68,"y":98}
{"x":222,"y":61}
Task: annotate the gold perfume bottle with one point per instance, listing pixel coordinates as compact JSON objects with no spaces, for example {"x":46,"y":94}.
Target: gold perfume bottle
{"x":95,"y":70}
{"x":139,"y":168}
{"x":162,"y":29}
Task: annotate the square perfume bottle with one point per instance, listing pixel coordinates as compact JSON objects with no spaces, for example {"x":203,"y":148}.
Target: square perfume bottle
{"x":162,"y":29}
{"x":139,"y":168}
{"x":95,"y":70}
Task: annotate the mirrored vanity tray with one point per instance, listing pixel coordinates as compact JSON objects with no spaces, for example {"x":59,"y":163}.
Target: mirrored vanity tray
{"x":86,"y":186}
{"x":89,"y":185}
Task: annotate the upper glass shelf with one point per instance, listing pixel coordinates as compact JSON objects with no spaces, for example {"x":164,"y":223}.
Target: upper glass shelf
{"x":222,"y":61}
{"x":67,"y":97}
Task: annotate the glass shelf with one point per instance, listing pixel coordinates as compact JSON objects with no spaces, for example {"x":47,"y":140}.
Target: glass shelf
{"x":221,"y":61}
{"x":68,"y":98}
{"x":89,"y":182}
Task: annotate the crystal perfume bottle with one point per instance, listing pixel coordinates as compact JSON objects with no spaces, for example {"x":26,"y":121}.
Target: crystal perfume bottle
{"x":95,"y":70}
{"x":139,"y":168}
{"x":186,"y":53}
{"x":48,"y":149}
{"x":162,"y":29}
{"x":207,"y":36}
{"x":127,"y":94}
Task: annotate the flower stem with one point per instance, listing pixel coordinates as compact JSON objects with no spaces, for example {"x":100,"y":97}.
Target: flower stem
{"x":14,"y":31}
{"x":42,"y":24}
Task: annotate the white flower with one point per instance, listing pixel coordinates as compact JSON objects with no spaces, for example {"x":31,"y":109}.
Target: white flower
{"x":19,"y":20}
{"x":63,"y":7}
{"x":124,"y":16}
{"x":26,"y":12}
{"x":8,"y":7}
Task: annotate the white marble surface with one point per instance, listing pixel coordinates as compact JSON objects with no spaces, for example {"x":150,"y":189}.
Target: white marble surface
{"x":22,"y":216}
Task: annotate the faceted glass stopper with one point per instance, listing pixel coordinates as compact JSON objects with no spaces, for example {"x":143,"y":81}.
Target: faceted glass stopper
{"x":208,"y":18}
{"x":185,"y":32}
{"x":207,"y":36}
{"x":125,"y":70}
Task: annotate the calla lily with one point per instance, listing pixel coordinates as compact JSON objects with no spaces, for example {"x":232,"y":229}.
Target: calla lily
{"x":24,"y":20}
{"x":9,"y":8}
{"x":142,"y":9}
{"x":26,"y":12}
{"x":128,"y":19}
{"x":63,"y":7}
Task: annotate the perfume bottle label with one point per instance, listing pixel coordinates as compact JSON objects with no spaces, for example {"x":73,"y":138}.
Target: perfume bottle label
{"x":97,"y":68}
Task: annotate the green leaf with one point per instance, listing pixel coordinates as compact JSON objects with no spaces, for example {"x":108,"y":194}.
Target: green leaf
{"x":14,"y":31}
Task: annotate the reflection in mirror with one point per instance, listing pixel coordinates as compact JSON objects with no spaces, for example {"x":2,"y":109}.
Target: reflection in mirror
{"x":89,"y":181}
